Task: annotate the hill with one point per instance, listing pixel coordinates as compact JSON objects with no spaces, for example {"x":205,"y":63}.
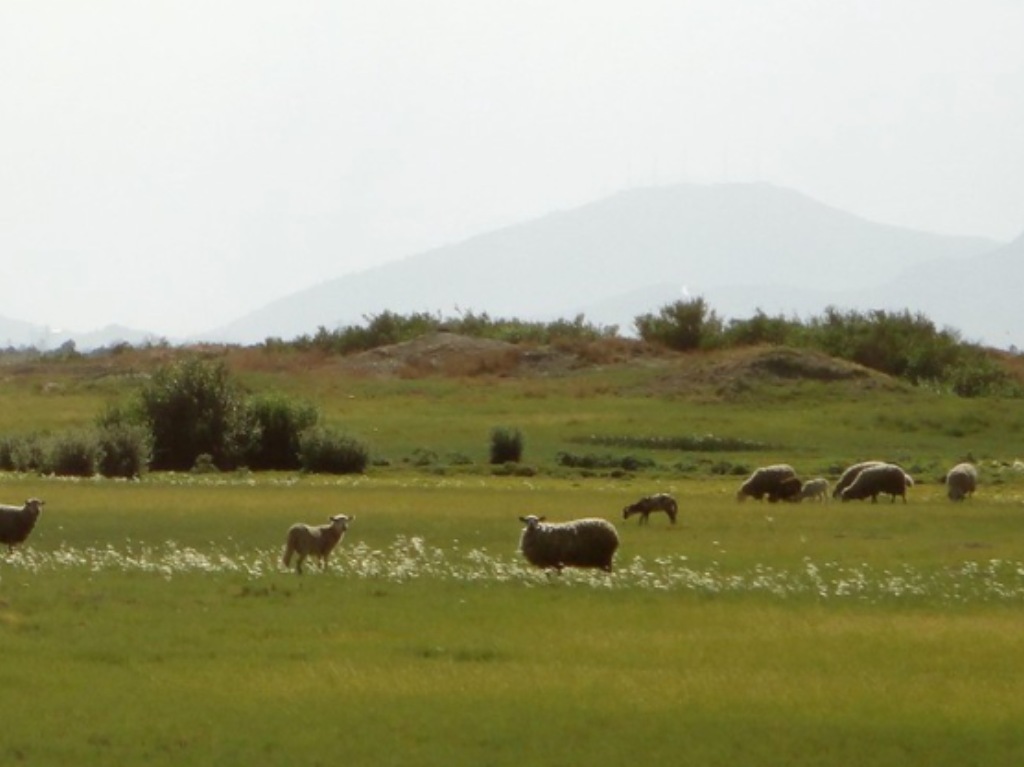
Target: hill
{"x":621,"y":256}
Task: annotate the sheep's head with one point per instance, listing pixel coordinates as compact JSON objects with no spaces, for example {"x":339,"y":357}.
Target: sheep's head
{"x":33,"y":506}
{"x":531,"y":521}
{"x":341,"y":522}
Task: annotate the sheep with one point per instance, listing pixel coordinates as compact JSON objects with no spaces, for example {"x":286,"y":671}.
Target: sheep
{"x":318,"y":541}
{"x":847,"y":477}
{"x":815,"y":488}
{"x":787,"y":490}
{"x":768,"y":480}
{"x":586,"y":542}
{"x":882,"y":478}
{"x":961,"y":481}
{"x":16,"y":522}
{"x":659,"y":502}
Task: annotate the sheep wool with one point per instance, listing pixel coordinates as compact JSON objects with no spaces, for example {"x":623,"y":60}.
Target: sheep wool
{"x":587,"y":542}
{"x":961,"y":481}
{"x":319,"y":541}
{"x":816,"y":489}
{"x":847,"y":477}
{"x":885,"y":478}
{"x":777,"y":482}
{"x":17,"y":522}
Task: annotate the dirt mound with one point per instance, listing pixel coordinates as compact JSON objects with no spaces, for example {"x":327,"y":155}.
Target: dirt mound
{"x":738,"y":370}
{"x":451,"y":354}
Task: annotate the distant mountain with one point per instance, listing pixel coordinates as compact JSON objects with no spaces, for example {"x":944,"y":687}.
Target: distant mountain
{"x":18,"y":335}
{"x":981,"y":296}
{"x":625,"y":255}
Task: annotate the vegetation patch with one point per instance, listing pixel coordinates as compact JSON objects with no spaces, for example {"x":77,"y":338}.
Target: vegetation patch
{"x":698,"y":443}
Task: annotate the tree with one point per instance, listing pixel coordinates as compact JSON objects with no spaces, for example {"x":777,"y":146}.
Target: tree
{"x":193,"y":407}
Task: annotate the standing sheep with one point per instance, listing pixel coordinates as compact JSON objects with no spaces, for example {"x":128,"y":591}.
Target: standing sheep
{"x":773,"y":481}
{"x":582,"y":543}
{"x":961,"y":481}
{"x":644,"y":507}
{"x":885,"y":478}
{"x":16,"y":522}
{"x":318,"y":541}
{"x":847,"y":477}
{"x":815,"y":488}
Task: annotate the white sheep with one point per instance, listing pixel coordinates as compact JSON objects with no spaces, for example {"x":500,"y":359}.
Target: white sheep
{"x":816,"y":488}
{"x":658,"y":502}
{"x":961,"y":481}
{"x":16,"y":522}
{"x":778,"y":482}
{"x":847,"y":477}
{"x":885,"y":478}
{"x":318,"y":541}
{"x":586,"y":542}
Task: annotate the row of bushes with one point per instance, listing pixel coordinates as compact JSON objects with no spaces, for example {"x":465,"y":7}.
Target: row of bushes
{"x":901,"y":344}
{"x":389,"y":328}
{"x":192,"y":412}
{"x":127,"y":452}
{"x":116,"y":451}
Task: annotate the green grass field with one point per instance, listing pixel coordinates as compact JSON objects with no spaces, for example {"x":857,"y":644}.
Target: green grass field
{"x":150,"y":622}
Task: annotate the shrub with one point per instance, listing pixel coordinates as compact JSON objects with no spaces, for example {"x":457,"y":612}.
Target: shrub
{"x":76,"y":454}
{"x":506,"y":445}
{"x":683,"y":325}
{"x":279,"y":423}
{"x":326,"y":451}
{"x":193,"y":407}
{"x":126,"y":449}
{"x":24,"y":454}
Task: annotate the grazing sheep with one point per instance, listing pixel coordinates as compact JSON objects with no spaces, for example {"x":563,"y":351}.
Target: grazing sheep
{"x":581,"y":543}
{"x":16,"y":522}
{"x":787,"y":490}
{"x":883,"y":478}
{"x":769,"y":480}
{"x":847,"y":477}
{"x":659,"y":502}
{"x":318,"y":541}
{"x":815,"y":488}
{"x":961,"y":481}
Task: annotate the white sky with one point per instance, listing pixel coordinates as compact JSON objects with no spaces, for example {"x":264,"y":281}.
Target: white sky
{"x":173,"y":165}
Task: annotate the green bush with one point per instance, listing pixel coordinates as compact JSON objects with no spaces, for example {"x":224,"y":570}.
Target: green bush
{"x":279,"y":423}
{"x":126,"y":449}
{"x":26,"y":454}
{"x":683,"y":326}
{"x":506,"y":445}
{"x":193,"y":407}
{"x":325,"y":451}
{"x":75,"y":454}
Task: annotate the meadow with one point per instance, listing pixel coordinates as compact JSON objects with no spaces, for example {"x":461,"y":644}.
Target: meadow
{"x":150,"y":622}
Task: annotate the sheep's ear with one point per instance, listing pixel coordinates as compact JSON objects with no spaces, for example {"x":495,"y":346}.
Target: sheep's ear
{"x":542,"y":519}
{"x":524,"y":520}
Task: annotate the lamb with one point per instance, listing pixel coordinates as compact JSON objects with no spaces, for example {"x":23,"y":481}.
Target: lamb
{"x":961,"y":481}
{"x":770,"y":481}
{"x":883,"y":478}
{"x":586,"y":542}
{"x":16,"y":522}
{"x":815,"y":488}
{"x":847,"y":477}
{"x":318,"y":541}
{"x":659,"y":502}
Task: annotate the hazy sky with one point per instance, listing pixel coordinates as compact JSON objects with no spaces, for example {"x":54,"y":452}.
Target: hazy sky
{"x":173,"y":165}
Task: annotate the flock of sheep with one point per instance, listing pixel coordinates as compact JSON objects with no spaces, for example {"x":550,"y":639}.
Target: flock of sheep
{"x":592,"y":542}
